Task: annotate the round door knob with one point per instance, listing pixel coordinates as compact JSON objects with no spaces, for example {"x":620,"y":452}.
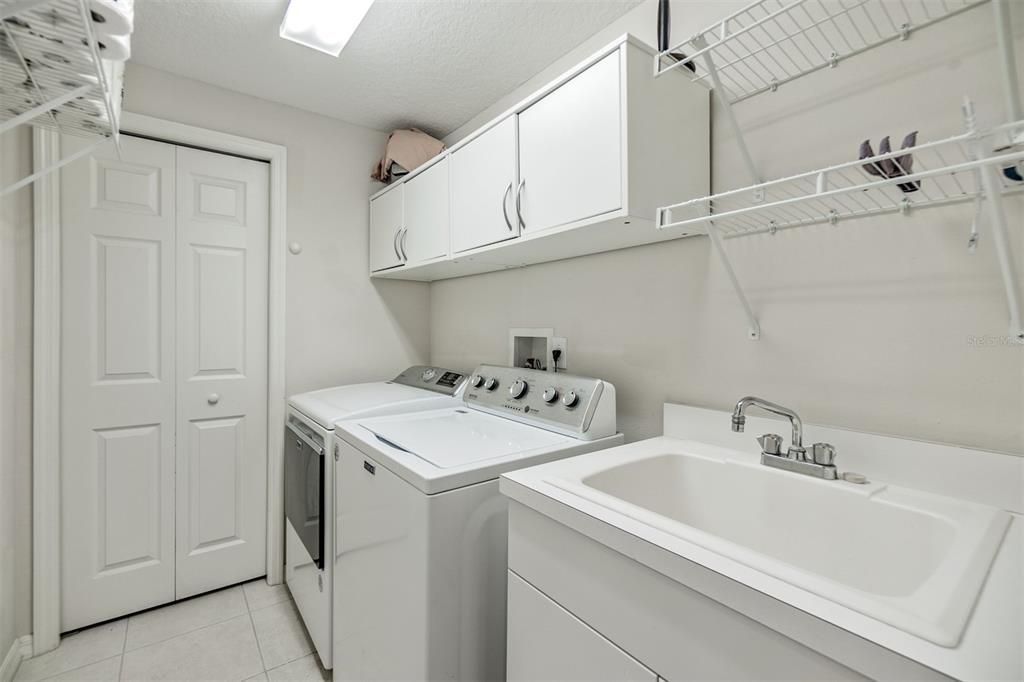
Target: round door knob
{"x":491,"y":384}
{"x":550,"y":395}
{"x":570,"y":399}
{"x":213,"y":398}
{"x":518,"y":388}
{"x":476,"y":381}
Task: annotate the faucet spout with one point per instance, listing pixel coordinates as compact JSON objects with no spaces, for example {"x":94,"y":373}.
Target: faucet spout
{"x":739,"y":418}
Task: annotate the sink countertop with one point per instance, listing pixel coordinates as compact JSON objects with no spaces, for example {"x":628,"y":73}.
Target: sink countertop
{"x":992,"y":645}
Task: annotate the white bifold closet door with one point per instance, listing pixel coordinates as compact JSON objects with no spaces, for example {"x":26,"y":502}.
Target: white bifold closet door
{"x":163,"y":376}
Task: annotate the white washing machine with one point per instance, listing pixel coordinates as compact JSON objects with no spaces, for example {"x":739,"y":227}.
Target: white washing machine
{"x":309,"y":477}
{"x":421,"y":529}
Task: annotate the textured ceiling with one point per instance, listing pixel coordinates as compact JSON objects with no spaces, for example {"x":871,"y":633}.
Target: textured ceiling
{"x":428,"y":63}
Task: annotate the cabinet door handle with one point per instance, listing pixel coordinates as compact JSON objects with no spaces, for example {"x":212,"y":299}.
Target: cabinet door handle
{"x":394,"y":244}
{"x":519,"y":205}
{"x":401,"y":243}
{"x":504,"y":206}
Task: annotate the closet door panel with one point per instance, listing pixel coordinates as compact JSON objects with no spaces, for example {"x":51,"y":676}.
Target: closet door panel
{"x":118,"y":380}
{"x":222,"y":237}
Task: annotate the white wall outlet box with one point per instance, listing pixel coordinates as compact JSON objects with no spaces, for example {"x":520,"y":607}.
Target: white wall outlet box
{"x":530,"y":347}
{"x":560,"y":343}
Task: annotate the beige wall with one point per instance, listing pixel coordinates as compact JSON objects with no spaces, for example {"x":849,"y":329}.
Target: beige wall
{"x":15,"y":391}
{"x":865,"y":325}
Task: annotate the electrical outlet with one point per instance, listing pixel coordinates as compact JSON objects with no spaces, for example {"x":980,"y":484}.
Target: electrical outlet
{"x":560,"y":343}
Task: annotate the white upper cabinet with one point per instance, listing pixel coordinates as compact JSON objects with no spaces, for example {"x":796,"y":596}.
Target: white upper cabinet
{"x":386,"y":225}
{"x":426,"y":215}
{"x":483,"y":185}
{"x":570,"y":150}
{"x":578,"y":167}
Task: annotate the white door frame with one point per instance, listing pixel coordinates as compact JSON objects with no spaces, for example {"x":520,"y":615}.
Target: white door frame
{"x":46,"y":356}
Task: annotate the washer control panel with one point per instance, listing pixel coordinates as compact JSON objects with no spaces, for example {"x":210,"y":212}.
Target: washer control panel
{"x":437,"y":379}
{"x":559,"y":402}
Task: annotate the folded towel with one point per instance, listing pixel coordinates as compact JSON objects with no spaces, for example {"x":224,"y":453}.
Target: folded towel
{"x":112,"y":17}
{"x":115,"y":48}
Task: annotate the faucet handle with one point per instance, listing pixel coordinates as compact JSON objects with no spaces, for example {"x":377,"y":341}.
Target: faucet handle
{"x":824,"y":454}
{"x":771,"y":444}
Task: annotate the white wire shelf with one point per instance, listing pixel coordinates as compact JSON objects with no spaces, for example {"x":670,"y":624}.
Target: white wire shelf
{"x":940,"y":173}
{"x":52,"y":76}
{"x":773,"y":42}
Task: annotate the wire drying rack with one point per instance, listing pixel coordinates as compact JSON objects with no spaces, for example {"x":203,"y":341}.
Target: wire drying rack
{"x":772,"y":42}
{"x":941,"y":173}
{"x":51,"y":75}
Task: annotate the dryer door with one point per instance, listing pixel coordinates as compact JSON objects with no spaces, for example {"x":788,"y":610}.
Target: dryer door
{"x":303,"y":496}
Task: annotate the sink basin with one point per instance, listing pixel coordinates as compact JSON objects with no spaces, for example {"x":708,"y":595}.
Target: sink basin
{"x":910,"y":559}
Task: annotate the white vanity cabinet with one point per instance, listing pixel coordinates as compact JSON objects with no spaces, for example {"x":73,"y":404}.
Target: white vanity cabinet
{"x":427,"y":215}
{"x":578,"y":167}
{"x":654,"y":624}
{"x":570,"y":150}
{"x":546,"y":642}
{"x":386,"y":225}
{"x":483,"y":182}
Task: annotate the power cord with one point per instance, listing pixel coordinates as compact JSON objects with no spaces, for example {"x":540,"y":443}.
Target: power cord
{"x":555,"y":354}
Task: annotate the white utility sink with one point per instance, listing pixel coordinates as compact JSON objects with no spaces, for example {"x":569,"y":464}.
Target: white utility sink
{"x":911,"y":559}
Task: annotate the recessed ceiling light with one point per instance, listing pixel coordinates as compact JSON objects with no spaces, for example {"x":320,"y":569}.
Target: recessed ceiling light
{"x":324,"y":25}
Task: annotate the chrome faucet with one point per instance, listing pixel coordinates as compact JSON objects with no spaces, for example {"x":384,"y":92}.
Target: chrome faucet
{"x":819,"y":464}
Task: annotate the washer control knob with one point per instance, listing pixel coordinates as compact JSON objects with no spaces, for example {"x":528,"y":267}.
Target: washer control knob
{"x":491,"y":384}
{"x":570,"y":399}
{"x":550,"y":394}
{"x":518,"y":388}
{"x":428,"y":374}
{"x":476,"y":381}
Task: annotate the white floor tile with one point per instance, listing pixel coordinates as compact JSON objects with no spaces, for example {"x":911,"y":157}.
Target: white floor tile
{"x":104,"y":671}
{"x":306,"y":669}
{"x":281,"y":634}
{"x":261,"y":595}
{"x":80,"y":649}
{"x":226,"y":651}
{"x":262,"y":677}
{"x":170,"y":621}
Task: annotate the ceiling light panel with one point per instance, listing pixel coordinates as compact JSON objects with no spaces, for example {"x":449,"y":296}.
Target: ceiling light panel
{"x":324,"y":25}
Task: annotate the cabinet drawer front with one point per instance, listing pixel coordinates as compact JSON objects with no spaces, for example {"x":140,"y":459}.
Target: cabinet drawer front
{"x":546,"y":642}
{"x":570,"y":149}
{"x":483,"y":184}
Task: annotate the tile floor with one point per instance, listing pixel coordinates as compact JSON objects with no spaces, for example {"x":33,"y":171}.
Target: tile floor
{"x":246,"y":632}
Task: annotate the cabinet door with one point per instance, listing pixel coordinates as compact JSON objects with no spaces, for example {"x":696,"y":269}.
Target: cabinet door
{"x":570,"y":149}
{"x":483,"y":177}
{"x":385,"y":225}
{"x":426,"y":214}
{"x":546,"y":642}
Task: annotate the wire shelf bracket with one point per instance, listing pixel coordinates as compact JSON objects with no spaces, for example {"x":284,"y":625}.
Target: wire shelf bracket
{"x":974,"y":166}
{"x":52,"y":76}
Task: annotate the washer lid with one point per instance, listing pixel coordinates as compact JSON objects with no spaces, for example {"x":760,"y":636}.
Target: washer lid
{"x":459,"y":437}
{"x":328,"y":405}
